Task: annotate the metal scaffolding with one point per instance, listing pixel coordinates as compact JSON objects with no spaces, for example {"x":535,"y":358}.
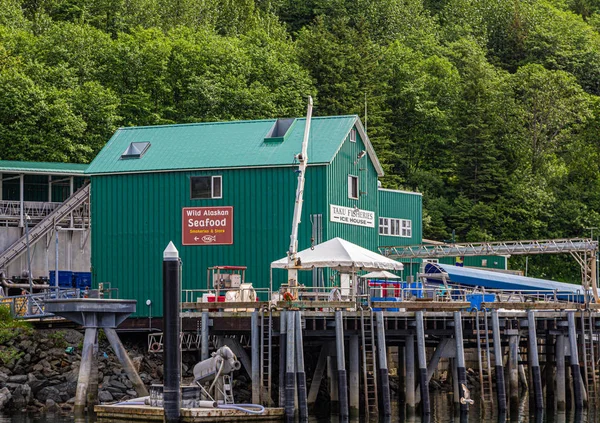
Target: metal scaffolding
{"x":584,"y":250}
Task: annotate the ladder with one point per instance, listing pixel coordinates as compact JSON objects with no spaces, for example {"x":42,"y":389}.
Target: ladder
{"x":589,"y":356}
{"x":266,"y":336}
{"x":485,"y":365}
{"x":45,"y":225}
{"x":369,"y":365}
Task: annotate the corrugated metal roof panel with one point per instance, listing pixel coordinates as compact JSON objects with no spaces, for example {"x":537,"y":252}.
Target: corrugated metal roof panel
{"x":220,"y":145}
{"x":46,"y":168}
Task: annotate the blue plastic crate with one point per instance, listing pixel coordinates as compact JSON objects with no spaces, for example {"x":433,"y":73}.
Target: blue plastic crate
{"x":477,"y":299}
{"x":390,"y":299}
{"x":65,"y":278}
{"x":82,"y":280}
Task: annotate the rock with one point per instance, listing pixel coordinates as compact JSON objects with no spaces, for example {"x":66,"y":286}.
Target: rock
{"x":137,"y":363}
{"x":3,"y":377}
{"x":113,"y":390}
{"x":128,"y":383}
{"x":27,"y":358}
{"x":67,"y":390}
{"x":35,"y":383}
{"x":49,"y":392}
{"x":25,"y":344}
{"x":50,"y":405}
{"x":104,"y":396}
{"x":5,"y":396}
{"x":22,"y":396}
{"x":17,"y":379}
{"x":72,"y":376}
{"x":117,"y":384}
{"x":72,"y":336}
{"x":37,"y":368}
{"x":132,"y":393}
{"x":71,"y":400}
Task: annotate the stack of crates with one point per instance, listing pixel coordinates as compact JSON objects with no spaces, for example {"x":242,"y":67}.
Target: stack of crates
{"x":69,"y":279}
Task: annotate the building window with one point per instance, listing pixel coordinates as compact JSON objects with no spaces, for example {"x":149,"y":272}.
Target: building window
{"x":353,"y":187}
{"x":353,"y":135}
{"x":395,"y":227}
{"x":203,"y":187}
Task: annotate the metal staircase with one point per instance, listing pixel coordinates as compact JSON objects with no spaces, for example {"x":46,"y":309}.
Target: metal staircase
{"x":485,"y":365}
{"x":266,"y":336}
{"x":46,"y":225}
{"x":589,"y":357}
{"x":369,"y":365}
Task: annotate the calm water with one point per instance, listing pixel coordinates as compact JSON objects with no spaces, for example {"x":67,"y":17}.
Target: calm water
{"x":442,"y":412}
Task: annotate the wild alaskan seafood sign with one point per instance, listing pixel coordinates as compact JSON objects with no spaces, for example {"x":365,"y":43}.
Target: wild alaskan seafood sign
{"x":351,"y":216}
{"x":207,"y":225}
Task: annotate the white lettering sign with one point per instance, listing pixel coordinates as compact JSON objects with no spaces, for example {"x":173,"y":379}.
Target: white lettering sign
{"x":351,"y":216}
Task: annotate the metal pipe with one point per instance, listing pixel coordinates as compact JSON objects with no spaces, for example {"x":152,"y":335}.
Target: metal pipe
{"x":500,"y":387}
{"x":125,"y":361}
{"x":384,"y":377}
{"x":341,"y":365}
{"x":425,"y":405}
{"x":171,"y":334}
{"x":300,"y":374}
{"x":84,"y":371}
{"x":534,"y":362}
{"x":255,"y":348}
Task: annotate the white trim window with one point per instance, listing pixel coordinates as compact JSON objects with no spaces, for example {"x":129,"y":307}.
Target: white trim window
{"x":353,"y":135}
{"x":395,"y":227}
{"x":353,"y":187}
{"x":206,"y":187}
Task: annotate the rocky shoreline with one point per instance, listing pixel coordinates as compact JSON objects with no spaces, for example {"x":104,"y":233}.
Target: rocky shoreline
{"x":39,"y":370}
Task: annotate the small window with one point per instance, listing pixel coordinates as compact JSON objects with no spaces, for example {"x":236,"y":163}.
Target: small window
{"x":353,"y":187}
{"x":395,"y":227}
{"x":353,"y":135}
{"x":204,"y":187}
{"x":384,"y":228}
{"x":483,"y":262}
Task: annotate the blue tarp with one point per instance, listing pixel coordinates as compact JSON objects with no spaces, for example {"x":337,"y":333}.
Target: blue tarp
{"x":497,"y":280}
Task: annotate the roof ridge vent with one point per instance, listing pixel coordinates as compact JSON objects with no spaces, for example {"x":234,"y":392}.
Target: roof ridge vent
{"x":279,"y":130}
{"x":135,"y":150}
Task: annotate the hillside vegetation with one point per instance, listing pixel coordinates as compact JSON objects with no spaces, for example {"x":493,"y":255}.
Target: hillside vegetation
{"x":489,"y":108}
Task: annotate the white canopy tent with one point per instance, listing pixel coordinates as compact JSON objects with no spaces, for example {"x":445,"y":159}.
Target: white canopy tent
{"x":381,"y":274}
{"x":341,"y":255}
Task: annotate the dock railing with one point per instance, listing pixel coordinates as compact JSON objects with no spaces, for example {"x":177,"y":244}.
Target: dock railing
{"x":33,"y":306}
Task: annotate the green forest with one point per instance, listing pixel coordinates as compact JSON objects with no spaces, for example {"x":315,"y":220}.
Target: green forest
{"x":489,"y":108}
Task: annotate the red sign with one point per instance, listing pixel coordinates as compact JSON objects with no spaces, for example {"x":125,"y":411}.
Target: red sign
{"x":208,"y":225}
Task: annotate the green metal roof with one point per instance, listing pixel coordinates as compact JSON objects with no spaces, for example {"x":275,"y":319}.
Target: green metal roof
{"x":224,"y":145}
{"x":43,"y":168}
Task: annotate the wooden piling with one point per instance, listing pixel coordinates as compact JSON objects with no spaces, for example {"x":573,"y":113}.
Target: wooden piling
{"x":410,"y":375}
{"x":461,"y":370}
{"x":255,"y":357}
{"x":574,"y":360}
{"x":341,"y":365}
{"x":282,"y":357}
{"x":500,"y":386}
{"x":561,"y":402}
{"x":354,"y":380}
{"x":300,"y":374}
{"x":290,"y":370}
{"x":534,"y":362}
{"x":423,"y":379}
{"x":513,"y":373}
{"x":384,"y":379}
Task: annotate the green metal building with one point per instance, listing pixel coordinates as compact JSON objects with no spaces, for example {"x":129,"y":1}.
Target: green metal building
{"x":145,"y":177}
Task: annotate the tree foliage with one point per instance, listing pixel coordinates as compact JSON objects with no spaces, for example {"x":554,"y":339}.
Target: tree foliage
{"x":489,"y":108}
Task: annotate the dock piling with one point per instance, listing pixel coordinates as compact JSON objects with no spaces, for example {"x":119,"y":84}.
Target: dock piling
{"x":410,"y":375}
{"x":84,"y":370}
{"x":574,"y":359}
{"x":255,"y":348}
{"x":534,"y":362}
{"x":204,"y":336}
{"x":290,"y":371}
{"x":300,"y":374}
{"x":341,"y":365}
{"x":561,"y":399}
{"x":383,"y":368}
{"x":513,"y":372}
{"x":354,"y":380}
{"x":461,"y":370}
{"x":500,"y":386}
{"x":126,"y":362}
{"x":282,"y":357}
{"x":423,"y":379}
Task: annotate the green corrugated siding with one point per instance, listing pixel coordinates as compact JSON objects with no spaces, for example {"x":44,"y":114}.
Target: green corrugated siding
{"x":401,"y":205}
{"x":136,"y":215}
{"x":337,"y":193}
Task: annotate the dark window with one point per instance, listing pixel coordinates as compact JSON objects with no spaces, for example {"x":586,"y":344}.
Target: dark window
{"x":353,"y":186}
{"x":203,"y":187}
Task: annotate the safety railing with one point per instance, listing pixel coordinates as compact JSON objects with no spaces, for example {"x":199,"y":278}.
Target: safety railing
{"x":33,"y":306}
